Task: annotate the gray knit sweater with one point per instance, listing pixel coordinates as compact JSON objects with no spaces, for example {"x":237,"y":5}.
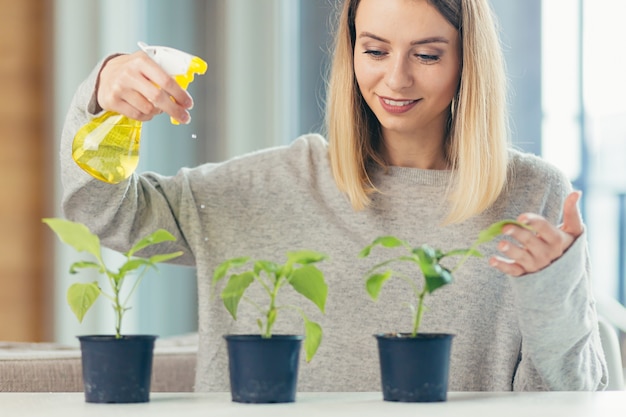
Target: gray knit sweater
{"x":536,"y":332}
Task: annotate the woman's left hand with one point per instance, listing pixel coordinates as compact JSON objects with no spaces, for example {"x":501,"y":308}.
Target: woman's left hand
{"x":533,"y":250}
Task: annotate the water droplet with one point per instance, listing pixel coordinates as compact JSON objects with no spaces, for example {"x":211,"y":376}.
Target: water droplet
{"x":202,"y":206}
{"x":206,"y":239}
{"x":194,"y":136}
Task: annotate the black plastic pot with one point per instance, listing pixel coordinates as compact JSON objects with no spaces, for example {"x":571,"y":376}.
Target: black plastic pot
{"x":263,"y":370}
{"x":414,"y":369}
{"x":117,"y":370}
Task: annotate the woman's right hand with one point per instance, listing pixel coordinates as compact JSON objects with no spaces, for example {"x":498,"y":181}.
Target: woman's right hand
{"x":135,"y":86}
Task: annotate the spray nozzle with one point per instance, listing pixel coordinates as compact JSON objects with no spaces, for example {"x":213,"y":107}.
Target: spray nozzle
{"x":180,"y":65}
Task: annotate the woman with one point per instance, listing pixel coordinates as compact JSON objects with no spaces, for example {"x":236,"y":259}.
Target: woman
{"x":416,"y":148}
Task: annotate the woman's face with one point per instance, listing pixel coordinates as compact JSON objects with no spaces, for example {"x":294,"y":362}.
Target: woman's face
{"x":407,"y":65}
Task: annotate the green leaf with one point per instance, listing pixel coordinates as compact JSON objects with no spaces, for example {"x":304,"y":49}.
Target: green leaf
{"x":389,"y":242}
{"x":164,"y":257}
{"x":77,"y":235}
{"x":462,"y":252}
{"x":222,"y":269}
{"x":312,"y":338}
{"x":439,"y":254}
{"x":309,"y":281}
{"x":158,"y":236}
{"x":411,"y":258}
{"x":283,"y":271}
{"x":84,"y":265}
{"x":375,"y":282}
{"x":305,"y":257}
{"x":426,"y":254}
{"x":437,"y":277}
{"x":385,"y":241}
{"x":426,"y":258}
{"x":365,"y":252}
{"x":133,"y":265}
{"x":269,"y":267}
{"x":136,"y":263}
{"x":234,"y":289}
{"x":81,"y":297}
{"x":495,"y":229}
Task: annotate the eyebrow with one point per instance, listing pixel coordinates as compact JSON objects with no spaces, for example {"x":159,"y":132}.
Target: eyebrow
{"x":432,"y":39}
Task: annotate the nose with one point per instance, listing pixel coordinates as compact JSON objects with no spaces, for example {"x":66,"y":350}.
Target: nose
{"x":398,"y":74}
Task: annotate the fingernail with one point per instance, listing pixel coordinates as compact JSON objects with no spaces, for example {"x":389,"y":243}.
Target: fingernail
{"x":505,"y":247}
{"x":493,"y":262}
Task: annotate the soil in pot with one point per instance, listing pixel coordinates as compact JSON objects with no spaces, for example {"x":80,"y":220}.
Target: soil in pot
{"x":414,"y":369}
{"x":263,"y":370}
{"x":117,"y":370}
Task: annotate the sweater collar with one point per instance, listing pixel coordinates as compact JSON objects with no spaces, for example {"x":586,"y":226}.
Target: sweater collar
{"x":415,"y":176}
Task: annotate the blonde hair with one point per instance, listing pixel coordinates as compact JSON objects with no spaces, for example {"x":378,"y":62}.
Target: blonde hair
{"x":477,"y":138}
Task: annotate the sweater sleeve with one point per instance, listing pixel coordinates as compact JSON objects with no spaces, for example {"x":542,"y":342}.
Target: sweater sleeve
{"x":117,"y":213}
{"x":561,"y":347}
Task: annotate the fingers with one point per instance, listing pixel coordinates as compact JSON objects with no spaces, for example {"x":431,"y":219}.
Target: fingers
{"x":507,"y":266}
{"x":137,"y":87}
{"x":169,"y":96}
{"x":532,"y":250}
{"x":528,"y":250}
{"x":572,"y":221}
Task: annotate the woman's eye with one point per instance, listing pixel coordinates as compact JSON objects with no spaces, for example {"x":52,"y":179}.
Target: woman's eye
{"x":374,"y":53}
{"x":428,"y":58}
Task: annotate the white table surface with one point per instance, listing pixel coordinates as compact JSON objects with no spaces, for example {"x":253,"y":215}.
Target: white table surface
{"x":459,"y":404}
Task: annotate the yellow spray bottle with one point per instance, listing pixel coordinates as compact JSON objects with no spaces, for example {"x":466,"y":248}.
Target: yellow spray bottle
{"x":107,"y":147}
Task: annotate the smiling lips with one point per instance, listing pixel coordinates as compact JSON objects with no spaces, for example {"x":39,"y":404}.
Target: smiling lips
{"x":397,"y":106}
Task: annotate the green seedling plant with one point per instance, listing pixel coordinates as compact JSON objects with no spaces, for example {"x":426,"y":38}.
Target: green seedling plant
{"x":82,"y":296}
{"x":299,"y":272}
{"x":428,"y":260}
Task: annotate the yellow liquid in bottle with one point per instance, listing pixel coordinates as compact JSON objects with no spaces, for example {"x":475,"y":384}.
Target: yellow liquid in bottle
{"x":108,"y":147}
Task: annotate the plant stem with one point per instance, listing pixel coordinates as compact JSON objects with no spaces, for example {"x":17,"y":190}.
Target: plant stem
{"x":268,"y":326}
{"x":119,"y":312}
{"x":418,"y":313}
{"x":253,"y":304}
{"x":135,"y":285}
{"x":464,"y":258}
{"x":271,"y":312}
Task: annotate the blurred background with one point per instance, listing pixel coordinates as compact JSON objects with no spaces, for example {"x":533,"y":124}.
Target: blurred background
{"x":264,"y":87}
